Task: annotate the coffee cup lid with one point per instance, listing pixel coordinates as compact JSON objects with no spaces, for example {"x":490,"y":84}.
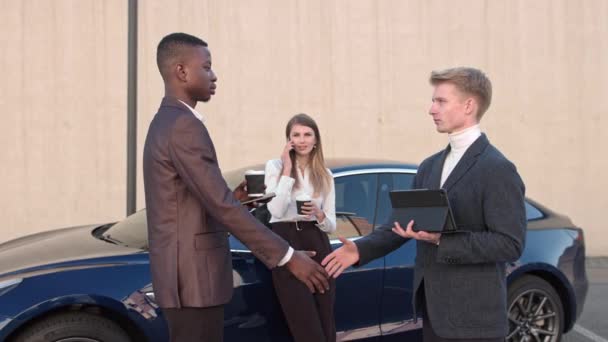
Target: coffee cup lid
{"x":303,"y":197}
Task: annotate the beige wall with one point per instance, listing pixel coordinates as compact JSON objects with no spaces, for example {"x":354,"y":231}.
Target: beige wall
{"x":62,"y":102}
{"x":359,"y":67}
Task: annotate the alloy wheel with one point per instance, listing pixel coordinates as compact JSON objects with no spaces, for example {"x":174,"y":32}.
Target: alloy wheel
{"x":533,"y":317}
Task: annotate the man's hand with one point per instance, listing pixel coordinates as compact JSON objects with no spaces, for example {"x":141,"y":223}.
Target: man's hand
{"x":240,"y":193}
{"x":308,"y":271}
{"x":409,"y":233}
{"x":342,"y":258}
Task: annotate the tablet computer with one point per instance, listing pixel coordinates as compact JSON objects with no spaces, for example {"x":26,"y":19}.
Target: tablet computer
{"x":430,"y":210}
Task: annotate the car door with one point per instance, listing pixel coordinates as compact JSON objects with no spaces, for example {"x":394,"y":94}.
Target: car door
{"x":396,"y":309}
{"x":358,"y":290}
{"x":254,"y":313}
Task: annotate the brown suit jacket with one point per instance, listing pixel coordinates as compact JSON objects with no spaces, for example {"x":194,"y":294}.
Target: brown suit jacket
{"x":190,"y":211}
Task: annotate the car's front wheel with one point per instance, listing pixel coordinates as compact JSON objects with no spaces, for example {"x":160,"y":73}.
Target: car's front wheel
{"x":73,"y":327}
{"x":535,"y":311}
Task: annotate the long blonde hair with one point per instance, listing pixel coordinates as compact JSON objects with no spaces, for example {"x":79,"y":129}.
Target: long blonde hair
{"x":319,"y":177}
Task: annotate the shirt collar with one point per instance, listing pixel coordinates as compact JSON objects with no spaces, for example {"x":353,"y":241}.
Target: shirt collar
{"x":465,"y":138}
{"x":197,"y":114}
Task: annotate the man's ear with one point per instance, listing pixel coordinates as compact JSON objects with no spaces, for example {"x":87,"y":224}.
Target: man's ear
{"x":180,"y":72}
{"x":470,"y":106}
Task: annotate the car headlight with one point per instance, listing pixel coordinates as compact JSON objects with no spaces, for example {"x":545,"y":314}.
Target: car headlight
{"x":7,"y":285}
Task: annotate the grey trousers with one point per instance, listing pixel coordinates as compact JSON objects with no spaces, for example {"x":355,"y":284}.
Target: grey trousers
{"x":428,"y":334}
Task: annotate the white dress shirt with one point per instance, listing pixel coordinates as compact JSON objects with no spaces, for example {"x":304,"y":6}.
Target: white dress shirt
{"x":459,"y":143}
{"x":283,"y":206}
{"x":289,"y":253}
{"x":197,"y":114}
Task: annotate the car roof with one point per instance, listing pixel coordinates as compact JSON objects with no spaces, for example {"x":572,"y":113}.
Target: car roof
{"x":348,"y":164}
{"x":338,"y":165}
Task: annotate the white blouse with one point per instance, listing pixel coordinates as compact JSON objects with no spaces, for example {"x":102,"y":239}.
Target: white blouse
{"x":283,"y":206}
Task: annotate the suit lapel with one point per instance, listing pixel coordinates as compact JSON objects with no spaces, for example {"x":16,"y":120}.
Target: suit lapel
{"x":435,"y":175}
{"x":466,"y":162}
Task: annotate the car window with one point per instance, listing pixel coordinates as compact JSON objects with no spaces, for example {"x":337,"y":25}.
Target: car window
{"x":532,"y":213}
{"x":355,"y":205}
{"x":133,"y":230}
{"x":387,"y":183}
{"x":356,"y":197}
{"x":404,"y":181}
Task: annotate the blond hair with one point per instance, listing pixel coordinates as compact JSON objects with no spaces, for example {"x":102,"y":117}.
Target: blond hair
{"x":319,"y":176}
{"x":470,"y":81}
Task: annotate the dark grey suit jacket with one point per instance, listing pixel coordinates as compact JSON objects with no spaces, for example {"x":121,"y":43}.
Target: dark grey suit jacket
{"x":190,"y":211}
{"x":465,"y":276}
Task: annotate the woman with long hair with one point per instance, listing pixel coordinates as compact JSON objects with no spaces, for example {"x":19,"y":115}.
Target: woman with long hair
{"x":301,"y":174}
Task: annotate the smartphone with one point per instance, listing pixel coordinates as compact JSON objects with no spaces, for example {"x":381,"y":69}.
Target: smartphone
{"x":292,"y":155}
{"x":264,"y":198}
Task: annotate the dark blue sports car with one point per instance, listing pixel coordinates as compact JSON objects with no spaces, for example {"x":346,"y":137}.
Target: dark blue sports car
{"x":92,"y":283}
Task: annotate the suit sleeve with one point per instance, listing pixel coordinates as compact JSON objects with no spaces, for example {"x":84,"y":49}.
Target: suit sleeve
{"x":505,"y":219}
{"x":379,"y":243}
{"x":191,"y":151}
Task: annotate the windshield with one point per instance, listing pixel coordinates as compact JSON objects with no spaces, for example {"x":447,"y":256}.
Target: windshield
{"x":133,"y":230}
{"x":130,"y":232}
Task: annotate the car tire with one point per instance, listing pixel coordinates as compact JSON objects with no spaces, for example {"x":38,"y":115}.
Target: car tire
{"x":535,"y":311}
{"x":74,"y":327}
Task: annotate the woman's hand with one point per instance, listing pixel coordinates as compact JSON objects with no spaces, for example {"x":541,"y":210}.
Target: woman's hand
{"x":311,"y":210}
{"x":286,"y":159}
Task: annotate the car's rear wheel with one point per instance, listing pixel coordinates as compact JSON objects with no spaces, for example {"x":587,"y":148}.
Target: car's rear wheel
{"x":73,"y":327}
{"x":535,"y":311}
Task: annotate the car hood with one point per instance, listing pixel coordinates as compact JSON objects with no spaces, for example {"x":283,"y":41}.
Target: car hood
{"x":68,"y":247}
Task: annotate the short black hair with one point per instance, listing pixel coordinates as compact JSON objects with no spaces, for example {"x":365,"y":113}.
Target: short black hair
{"x":170,"y":46}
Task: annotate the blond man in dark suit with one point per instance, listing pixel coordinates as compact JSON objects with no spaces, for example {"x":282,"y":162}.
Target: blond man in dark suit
{"x":190,"y":209}
{"x":459,"y":278}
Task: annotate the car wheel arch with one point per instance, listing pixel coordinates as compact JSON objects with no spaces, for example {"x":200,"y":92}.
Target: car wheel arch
{"x":120,"y":317}
{"x":557,"y":280}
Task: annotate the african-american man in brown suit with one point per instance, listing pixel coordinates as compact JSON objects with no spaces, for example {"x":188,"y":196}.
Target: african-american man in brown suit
{"x":190,"y":209}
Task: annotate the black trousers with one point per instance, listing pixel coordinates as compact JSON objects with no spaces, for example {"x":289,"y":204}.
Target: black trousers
{"x":195,"y":324}
{"x":310,"y":317}
{"x":428,"y":334}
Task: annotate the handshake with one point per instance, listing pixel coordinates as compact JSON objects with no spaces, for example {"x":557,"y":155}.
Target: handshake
{"x":300,"y":265}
